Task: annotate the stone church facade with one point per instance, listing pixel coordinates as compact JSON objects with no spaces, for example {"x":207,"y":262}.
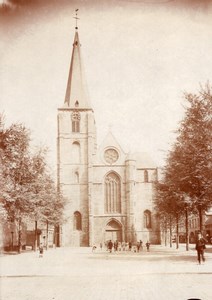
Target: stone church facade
{"x":110,"y":193}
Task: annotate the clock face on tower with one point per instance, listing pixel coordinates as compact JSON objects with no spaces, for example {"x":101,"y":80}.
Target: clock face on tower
{"x":111,"y":156}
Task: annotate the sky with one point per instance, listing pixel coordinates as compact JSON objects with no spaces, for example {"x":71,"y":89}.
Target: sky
{"x":140,"y":57}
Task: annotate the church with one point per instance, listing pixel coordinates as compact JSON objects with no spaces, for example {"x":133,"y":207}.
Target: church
{"x":110,"y":194}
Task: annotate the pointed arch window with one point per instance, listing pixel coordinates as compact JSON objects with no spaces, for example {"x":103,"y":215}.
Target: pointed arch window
{"x":147,"y":219}
{"x":146,"y":176}
{"x":75,"y":118}
{"x":77,"y":221}
{"x":76,"y":153}
{"x":112,"y":186}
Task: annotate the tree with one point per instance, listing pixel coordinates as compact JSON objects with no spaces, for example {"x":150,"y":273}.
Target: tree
{"x":46,"y":203}
{"x":169,"y":207}
{"x":15,"y":162}
{"x":188,"y":173}
{"x":27,"y":188}
{"x":192,"y":155}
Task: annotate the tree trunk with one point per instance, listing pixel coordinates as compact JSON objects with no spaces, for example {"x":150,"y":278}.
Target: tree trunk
{"x":187,"y":233}
{"x":47,"y":234}
{"x":57,"y":236}
{"x":177,"y":232}
{"x":170,"y":231}
{"x":19,"y":235}
{"x":165,"y":231}
{"x":200,"y":219}
{"x":36,"y":236}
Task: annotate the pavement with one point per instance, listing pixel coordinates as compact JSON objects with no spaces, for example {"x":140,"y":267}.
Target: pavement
{"x":79,"y":273}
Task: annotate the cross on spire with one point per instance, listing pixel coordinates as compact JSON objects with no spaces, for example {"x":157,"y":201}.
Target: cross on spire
{"x":76,"y":10}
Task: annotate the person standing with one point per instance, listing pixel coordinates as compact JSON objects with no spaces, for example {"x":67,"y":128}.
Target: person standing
{"x":110,"y":246}
{"x":130,"y":246}
{"x":200,"y":247}
{"x":147,"y":246}
{"x":116,"y":245}
{"x":141,"y":245}
{"x":41,"y":250}
{"x":138,"y":246}
{"x":93,"y":248}
{"x":123,"y":246}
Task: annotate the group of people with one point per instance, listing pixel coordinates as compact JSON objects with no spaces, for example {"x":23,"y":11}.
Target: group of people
{"x":128,"y":246}
{"x":125,"y":246}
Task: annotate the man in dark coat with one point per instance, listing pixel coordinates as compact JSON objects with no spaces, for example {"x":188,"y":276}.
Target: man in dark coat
{"x":147,"y":246}
{"x":110,"y":246}
{"x":200,"y":247}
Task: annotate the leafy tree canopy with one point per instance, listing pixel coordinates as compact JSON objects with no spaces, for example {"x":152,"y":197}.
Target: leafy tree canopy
{"x":188,"y":170}
{"x":27,"y":188}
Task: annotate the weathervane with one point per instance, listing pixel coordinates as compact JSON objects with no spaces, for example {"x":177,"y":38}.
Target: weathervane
{"x":76,"y":10}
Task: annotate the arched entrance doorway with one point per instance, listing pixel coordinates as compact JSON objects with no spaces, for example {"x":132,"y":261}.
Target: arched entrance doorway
{"x":113,"y":231}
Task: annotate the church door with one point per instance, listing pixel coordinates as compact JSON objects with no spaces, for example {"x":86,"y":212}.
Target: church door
{"x":113,"y":232}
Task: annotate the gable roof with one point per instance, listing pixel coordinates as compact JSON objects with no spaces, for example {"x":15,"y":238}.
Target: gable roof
{"x":143,"y":160}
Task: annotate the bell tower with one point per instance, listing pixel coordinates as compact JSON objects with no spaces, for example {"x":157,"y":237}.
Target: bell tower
{"x":76,"y":146}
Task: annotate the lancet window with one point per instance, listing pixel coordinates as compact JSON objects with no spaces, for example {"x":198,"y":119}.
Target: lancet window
{"x":77,"y":221}
{"x":76,"y":153}
{"x":75,"y":118}
{"x":112,"y":193}
{"x":146,"y":176}
{"x":147,"y":219}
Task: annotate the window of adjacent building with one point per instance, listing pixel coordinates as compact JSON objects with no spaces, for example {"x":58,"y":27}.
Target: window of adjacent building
{"x":112,"y":193}
{"x":75,"y":118}
{"x":76,"y":153}
{"x":77,"y":221}
{"x":146,"y":176}
{"x":147,"y":219}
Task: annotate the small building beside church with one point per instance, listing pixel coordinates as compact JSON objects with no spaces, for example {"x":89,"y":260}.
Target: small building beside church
{"x":110,"y":193}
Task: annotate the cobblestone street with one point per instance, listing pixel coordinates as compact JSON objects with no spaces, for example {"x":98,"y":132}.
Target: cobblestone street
{"x":77,"y":273}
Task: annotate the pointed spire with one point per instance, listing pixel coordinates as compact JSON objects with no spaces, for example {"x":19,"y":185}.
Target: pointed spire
{"x":76,"y":91}
{"x":76,"y":10}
